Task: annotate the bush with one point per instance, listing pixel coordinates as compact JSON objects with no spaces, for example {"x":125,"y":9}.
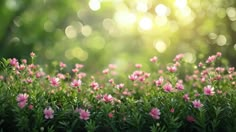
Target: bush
{"x":164,"y":99}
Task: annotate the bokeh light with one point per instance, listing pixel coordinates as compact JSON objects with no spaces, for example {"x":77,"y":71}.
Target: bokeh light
{"x":99,"y":31}
{"x":160,"y":46}
{"x":162,"y":10}
{"x":94,"y":5}
{"x":145,"y":23}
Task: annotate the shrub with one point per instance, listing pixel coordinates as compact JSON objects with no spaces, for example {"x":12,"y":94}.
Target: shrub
{"x":164,"y":99}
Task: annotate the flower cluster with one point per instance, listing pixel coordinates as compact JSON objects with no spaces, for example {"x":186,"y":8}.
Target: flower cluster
{"x":173,"y":97}
{"x":22,"y":99}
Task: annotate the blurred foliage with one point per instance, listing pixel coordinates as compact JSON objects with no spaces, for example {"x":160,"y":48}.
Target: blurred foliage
{"x":99,"y":32}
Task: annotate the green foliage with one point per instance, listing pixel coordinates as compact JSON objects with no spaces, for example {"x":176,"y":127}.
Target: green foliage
{"x":105,"y":101}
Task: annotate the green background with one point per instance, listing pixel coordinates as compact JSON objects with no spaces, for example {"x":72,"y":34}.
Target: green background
{"x":99,"y":32}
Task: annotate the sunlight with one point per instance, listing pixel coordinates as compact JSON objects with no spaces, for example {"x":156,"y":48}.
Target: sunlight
{"x":145,"y":23}
{"x":125,"y":18}
{"x":142,"y":6}
{"x":161,"y":21}
{"x":94,"y":5}
{"x":86,"y":30}
{"x":231,"y":12}
{"x":181,"y":3}
{"x":70,"y":32}
{"x":160,"y":46}
{"x":221,"y":40}
{"x":76,"y":52}
{"x":162,"y":10}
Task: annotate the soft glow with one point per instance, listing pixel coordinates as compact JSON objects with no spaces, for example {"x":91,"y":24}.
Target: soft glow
{"x":160,"y":46}
{"x":142,"y":6}
{"x":79,"y":54}
{"x":234,"y":46}
{"x":189,"y":57}
{"x":180,"y":3}
{"x":221,"y":40}
{"x":94,"y":5}
{"x":161,"y":21}
{"x":185,"y":15}
{"x":70,"y":32}
{"x":12,"y":4}
{"x":76,"y":52}
{"x":86,"y":30}
{"x":145,"y":23}
{"x":162,"y":10}
{"x":212,"y":36}
{"x":125,"y":18}
{"x":231,"y":12}
{"x":110,"y":26}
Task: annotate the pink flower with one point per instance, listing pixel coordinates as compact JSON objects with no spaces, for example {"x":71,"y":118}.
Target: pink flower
{"x":48,"y":113}
{"x":208,"y":90}
{"x":133,"y":77}
{"x":231,"y":70}
{"x":155,"y":113}
{"x":29,"y":80}
{"x":112,"y":66}
{"x":75,"y":70}
{"x":220,"y":69}
{"x":55,"y":81}
{"x":111,"y":81}
{"x":138,"y":65}
{"x":218,"y":54}
{"x":138,"y":73}
{"x":1,"y":77}
{"x":110,"y":115}
{"x":172,"y":68}
{"x":22,"y":97}
{"x":219,"y":91}
{"x":94,"y":85}
{"x":172,"y":110}
{"x":190,"y":118}
{"x":179,"y":85}
{"x":61,"y":76}
{"x":153,"y":59}
{"x":147,"y":75}
{"x":84,"y":114}
{"x":21,"y":67}
{"x":197,"y":104}
{"x":178,"y":57}
{"x":76,"y":83}
{"x":79,"y":66}
{"x":141,"y":78}
{"x":22,"y":104}
{"x":107,"y":98}
{"x":30,"y":106}
{"x":186,"y":97}
{"x":160,"y":81}
{"x":167,"y":87}
{"x":196,"y":94}
{"x":14,"y":62}
{"x":39,"y":74}
{"x":24,"y":61}
{"x":119,"y":86}
{"x":211,"y":59}
{"x":81,"y":75}
{"x":32,"y":54}
{"x":105,"y":71}
{"x":62,"y":65}
{"x":200,"y":64}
